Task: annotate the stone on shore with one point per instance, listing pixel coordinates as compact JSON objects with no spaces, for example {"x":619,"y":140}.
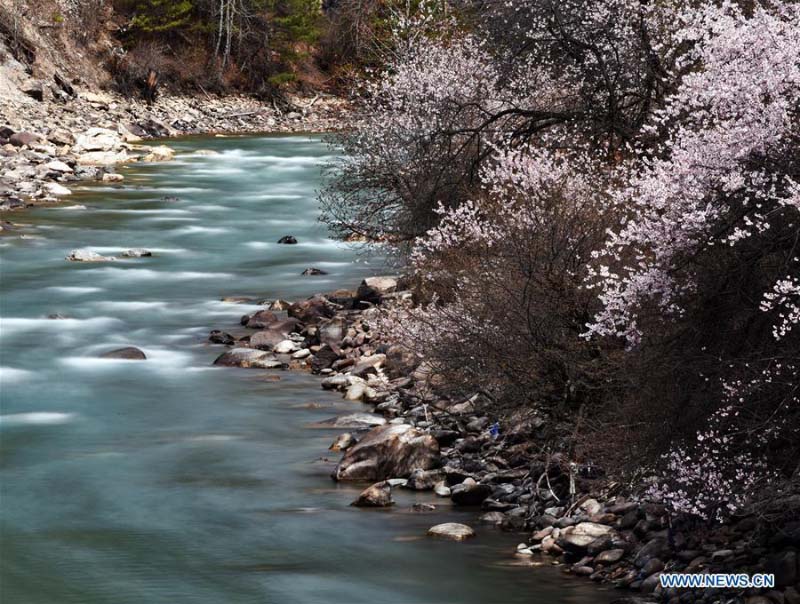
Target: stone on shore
{"x":249,"y":358}
{"x":578,"y":537}
{"x":56,"y":189}
{"x":373,"y":289}
{"x":57,"y":165}
{"x":388,"y":451}
{"x":343,"y":442}
{"x":355,"y":420}
{"x":451,"y":530}
{"x":220,"y":337}
{"x":130,"y":353}
{"x":98,"y":139}
{"x":261,"y":319}
{"x":424,"y":480}
{"x":470,"y":492}
{"x":379,"y":495}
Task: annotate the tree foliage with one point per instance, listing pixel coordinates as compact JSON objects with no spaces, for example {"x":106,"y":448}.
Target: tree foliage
{"x":600,"y":203}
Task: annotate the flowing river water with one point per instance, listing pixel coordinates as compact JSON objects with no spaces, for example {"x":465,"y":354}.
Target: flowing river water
{"x":172,"y":481}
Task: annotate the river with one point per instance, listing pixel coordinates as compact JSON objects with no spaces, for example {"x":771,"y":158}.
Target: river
{"x":172,"y":481}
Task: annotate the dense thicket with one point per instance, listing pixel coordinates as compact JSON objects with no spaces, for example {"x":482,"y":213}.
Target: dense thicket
{"x":600,"y":204}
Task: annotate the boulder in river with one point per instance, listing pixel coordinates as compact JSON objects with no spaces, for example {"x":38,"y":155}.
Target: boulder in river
{"x":451,"y":530}
{"x":287,"y":240}
{"x":393,"y":450}
{"x":88,"y":256}
{"x":130,"y":353}
{"x":249,"y":358}
{"x":379,"y":495}
{"x":312,"y":271}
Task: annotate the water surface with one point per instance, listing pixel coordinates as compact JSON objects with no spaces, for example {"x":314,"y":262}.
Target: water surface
{"x":170,"y":481}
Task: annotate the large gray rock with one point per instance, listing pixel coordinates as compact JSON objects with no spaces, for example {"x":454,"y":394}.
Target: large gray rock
{"x":388,"y":451}
{"x":451,"y":530}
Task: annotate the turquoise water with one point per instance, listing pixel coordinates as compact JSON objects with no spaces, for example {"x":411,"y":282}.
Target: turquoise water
{"x":172,"y":481}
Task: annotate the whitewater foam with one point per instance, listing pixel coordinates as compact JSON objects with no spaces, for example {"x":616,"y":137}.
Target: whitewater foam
{"x":40,"y":418}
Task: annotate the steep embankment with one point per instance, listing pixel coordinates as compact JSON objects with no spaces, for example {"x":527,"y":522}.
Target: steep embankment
{"x":59,"y":122}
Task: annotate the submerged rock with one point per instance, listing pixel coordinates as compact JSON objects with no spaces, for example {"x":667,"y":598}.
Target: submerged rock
{"x":388,"y":451}
{"x":313,"y":271}
{"x":451,"y":530}
{"x":129,"y":352}
{"x":137,"y":253}
{"x":287,"y":240}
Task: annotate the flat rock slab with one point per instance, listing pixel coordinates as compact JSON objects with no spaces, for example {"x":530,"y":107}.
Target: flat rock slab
{"x":451,"y":530}
{"x":249,"y":358}
{"x":353,"y":420}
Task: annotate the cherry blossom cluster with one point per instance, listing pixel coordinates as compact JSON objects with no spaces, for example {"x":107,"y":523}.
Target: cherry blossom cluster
{"x":712,"y":479}
{"x":712,"y":183}
{"x":785,"y":300}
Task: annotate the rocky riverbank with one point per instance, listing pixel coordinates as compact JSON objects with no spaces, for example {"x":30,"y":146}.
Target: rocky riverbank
{"x":420,"y":438}
{"x":47,"y":145}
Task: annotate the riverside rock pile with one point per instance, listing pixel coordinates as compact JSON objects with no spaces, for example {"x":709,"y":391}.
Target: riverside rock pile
{"x":47,"y":145}
{"x":423,"y":440}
